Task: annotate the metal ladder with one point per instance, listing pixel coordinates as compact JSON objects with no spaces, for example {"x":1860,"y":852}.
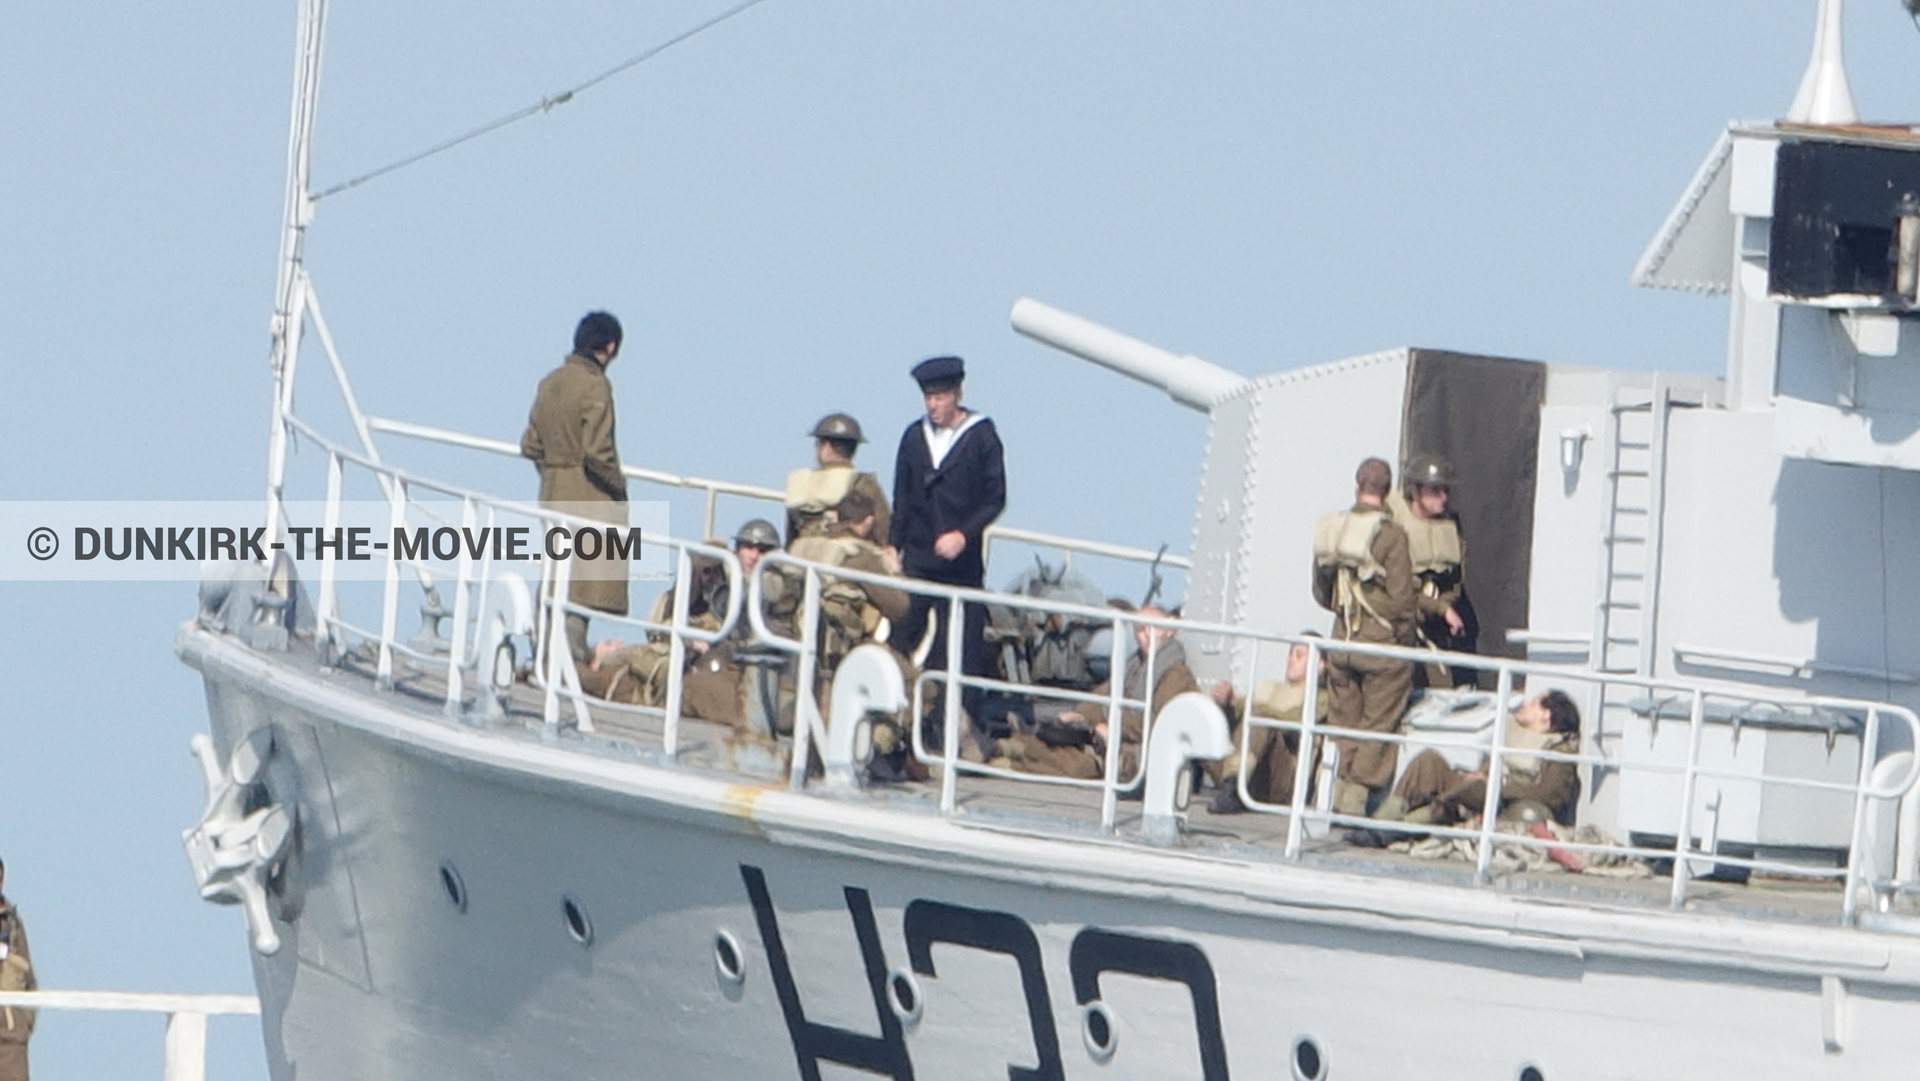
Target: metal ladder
{"x":1629,"y":586}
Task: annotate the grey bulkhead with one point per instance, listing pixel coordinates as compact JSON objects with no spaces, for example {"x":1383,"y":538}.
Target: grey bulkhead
{"x":1281,"y":452}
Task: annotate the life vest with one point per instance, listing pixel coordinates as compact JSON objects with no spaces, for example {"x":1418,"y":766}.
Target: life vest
{"x":849,"y":616}
{"x":813,"y":493}
{"x":1344,"y":541}
{"x":1433,"y":544}
{"x":1434,"y":549}
{"x":1279,"y":700}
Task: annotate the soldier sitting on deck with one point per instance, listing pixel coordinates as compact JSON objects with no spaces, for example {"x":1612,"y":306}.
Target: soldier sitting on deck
{"x":1533,"y":790}
{"x":637,"y":674}
{"x":1272,"y":753}
{"x":1077,"y":745}
{"x":851,"y":613}
{"x":854,"y":614}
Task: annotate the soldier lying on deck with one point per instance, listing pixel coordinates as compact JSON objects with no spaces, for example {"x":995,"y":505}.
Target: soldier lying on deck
{"x":637,"y":674}
{"x":1532,"y":789}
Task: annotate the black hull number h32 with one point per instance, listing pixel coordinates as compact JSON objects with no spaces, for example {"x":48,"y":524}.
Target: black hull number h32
{"x":1095,"y":951}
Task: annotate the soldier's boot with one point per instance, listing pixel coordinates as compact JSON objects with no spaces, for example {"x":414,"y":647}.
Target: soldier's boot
{"x":1350,"y":798}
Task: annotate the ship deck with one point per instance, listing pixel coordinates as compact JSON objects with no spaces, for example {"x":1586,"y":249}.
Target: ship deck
{"x":1039,"y":809}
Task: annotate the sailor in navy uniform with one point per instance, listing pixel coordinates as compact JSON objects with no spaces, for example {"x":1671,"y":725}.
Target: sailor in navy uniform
{"x":949,"y":484}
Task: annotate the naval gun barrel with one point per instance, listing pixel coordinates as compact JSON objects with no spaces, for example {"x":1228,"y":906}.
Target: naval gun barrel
{"x":1192,"y":382}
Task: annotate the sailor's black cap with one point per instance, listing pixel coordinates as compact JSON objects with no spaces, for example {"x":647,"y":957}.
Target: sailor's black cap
{"x":939,"y":373}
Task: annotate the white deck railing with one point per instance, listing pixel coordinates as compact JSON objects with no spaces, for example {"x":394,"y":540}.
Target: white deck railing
{"x":1734,"y":705}
{"x":476,"y":578}
{"x":186,"y":1039}
{"x":1706,"y":704}
{"x":714,"y":489}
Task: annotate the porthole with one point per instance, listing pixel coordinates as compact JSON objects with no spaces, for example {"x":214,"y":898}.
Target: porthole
{"x":578,"y":923}
{"x":453,"y":886}
{"x":1530,"y":1073}
{"x":903,"y":996}
{"x":1099,"y":1030}
{"x":1309,"y":1063}
{"x":728,"y":961}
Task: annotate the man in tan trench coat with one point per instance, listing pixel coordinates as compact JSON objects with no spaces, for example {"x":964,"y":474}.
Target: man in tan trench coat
{"x":570,"y":437}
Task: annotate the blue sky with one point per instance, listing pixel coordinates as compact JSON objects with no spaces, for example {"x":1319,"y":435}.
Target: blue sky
{"x":787,"y":212}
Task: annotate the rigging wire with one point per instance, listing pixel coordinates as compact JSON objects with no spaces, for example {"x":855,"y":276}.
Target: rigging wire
{"x":544,"y":105}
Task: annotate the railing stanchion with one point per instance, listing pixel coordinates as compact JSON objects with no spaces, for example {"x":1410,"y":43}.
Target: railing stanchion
{"x":1689,"y":788}
{"x":950,"y":708}
{"x":329,"y":612}
{"x":1856,"y":857}
{"x":390,"y":597}
{"x":677,"y":650}
{"x":1117,"y":728}
{"x":1246,"y":728}
{"x":1496,"y":759}
{"x":1110,"y":764}
{"x":556,"y":651}
{"x":457,"y":644}
{"x":186,"y":1047}
{"x":806,"y":714}
{"x":1309,"y":751}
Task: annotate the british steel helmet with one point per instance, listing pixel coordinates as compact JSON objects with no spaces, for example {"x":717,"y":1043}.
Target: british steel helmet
{"x":759,"y":533}
{"x":1428,"y":469}
{"x":838,"y":426}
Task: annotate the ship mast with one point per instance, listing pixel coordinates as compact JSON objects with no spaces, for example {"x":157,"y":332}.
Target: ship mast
{"x":290,"y":290}
{"x":1824,"y":96}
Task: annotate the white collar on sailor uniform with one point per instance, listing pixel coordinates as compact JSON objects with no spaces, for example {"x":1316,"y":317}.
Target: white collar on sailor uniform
{"x":941,"y":440}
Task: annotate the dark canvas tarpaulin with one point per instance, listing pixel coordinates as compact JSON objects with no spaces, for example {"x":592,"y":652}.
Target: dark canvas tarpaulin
{"x":1483,"y":415}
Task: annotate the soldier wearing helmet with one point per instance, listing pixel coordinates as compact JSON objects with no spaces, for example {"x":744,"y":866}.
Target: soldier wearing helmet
{"x":1439,"y":563}
{"x":812,"y":494}
{"x":755,"y":538}
{"x":713,"y":686}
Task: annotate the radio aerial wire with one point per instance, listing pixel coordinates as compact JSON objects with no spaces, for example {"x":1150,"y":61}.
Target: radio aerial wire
{"x":544,"y":105}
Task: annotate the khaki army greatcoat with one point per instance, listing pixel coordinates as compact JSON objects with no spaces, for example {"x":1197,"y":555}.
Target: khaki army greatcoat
{"x":570,"y":438}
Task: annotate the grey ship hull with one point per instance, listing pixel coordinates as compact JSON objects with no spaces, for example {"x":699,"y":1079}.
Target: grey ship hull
{"x":1207,"y":961}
